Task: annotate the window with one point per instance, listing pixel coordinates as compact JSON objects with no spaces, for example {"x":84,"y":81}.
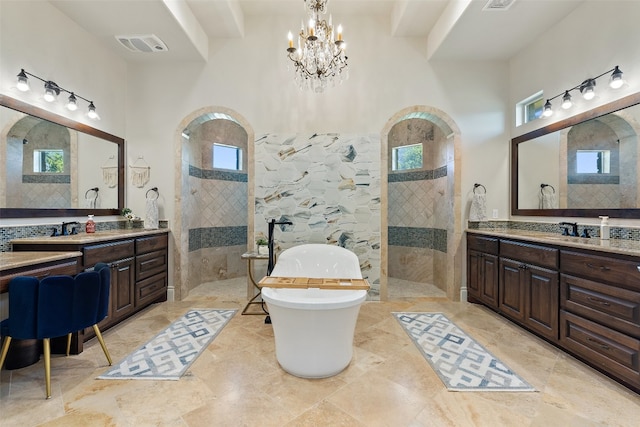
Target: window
{"x":48,"y":161}
{"x":407,"y":157}
{"x":227,"y":157}
{"x":593,"y":161}
{"x":530,"y":109}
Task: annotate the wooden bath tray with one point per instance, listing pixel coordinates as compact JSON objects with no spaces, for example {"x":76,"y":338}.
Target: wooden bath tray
{"x":309,"y":282}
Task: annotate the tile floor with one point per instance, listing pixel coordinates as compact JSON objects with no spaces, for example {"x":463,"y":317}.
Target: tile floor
{"x":237,"y":381}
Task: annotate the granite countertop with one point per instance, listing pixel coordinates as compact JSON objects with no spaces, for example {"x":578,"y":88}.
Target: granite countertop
{"x":98,"y":236}
{"x":10,"y":260}
{"x":617,"y":246}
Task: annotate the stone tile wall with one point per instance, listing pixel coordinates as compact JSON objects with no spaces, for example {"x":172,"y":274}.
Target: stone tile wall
{"x":328,"y":185}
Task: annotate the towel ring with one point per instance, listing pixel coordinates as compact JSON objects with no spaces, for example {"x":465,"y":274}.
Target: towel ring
{"x":152,"y":189}
{"x":96,"y":189}
{"x":543,"y":186}
{"x":479,"y":185}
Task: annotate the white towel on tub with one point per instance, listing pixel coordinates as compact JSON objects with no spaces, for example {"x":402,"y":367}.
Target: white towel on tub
{"x":478,"y":211}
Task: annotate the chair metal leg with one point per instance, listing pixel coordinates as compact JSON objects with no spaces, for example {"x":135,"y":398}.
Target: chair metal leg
{"x":68,"y":344}
{"x":47,"y":365}
{"x":102,"y":344}
{"x":5,"y":350}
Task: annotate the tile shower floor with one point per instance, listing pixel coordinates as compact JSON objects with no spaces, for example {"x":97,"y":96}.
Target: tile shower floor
{"x":237,"y":380}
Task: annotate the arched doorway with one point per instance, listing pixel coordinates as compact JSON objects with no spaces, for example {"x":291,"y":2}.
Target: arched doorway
{"x":214,"y":164}
{"x":422,"y":227}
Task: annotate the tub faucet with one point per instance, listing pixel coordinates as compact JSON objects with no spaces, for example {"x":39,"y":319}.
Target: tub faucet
{"x":272,"y":258}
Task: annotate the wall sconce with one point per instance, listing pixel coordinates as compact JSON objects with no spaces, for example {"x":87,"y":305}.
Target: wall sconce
{"x":51,"y":92}
{"x":587,"y":88}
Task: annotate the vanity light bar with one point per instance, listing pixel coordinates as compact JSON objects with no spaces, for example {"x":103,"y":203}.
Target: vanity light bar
{"x":587,"y":89}
{"x":52,"y":90}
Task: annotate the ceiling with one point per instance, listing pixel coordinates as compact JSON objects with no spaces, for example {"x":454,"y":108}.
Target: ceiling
{"x":452,"y":29}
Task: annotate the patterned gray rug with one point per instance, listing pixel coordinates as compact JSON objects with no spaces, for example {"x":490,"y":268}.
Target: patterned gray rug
{"x":170,"y":353}
{"x":461,"y":363}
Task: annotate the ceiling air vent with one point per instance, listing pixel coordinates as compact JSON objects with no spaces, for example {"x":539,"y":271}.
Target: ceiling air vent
{"x":148,"y":43}
{"x":498,"y":5}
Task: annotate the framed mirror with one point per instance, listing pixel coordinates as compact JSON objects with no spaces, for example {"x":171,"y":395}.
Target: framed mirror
{"x":53,"y":166}
{"x":584,"y":166}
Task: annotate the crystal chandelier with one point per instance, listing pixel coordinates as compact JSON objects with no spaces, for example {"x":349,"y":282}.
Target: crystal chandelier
{"x":319,"y":59}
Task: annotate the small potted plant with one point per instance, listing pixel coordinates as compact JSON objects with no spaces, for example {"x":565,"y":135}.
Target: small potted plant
{"x":130,"y":216}
{"x":263,"y":246}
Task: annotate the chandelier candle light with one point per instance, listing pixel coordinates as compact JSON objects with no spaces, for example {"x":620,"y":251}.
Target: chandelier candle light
{"x":319,"y":59}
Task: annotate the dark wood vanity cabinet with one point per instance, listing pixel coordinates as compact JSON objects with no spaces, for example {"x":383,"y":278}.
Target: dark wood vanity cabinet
{"x":600,"y":312}
{"x":528,"y":286}
{"x":120,"y":257}
{"x":586,"y":302}
{"x":139,"y":271}
{"x":482,"y":269}
{"x":151,"y":270}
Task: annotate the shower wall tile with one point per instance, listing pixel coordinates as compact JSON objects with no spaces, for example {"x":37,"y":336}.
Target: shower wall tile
{"x":431,"y":238}
{"x":49,"y":195}
{"x":328,"y":185}
{"x":420,"y":205}
{"x":595,"y":196}
{"x":210,"y":237}
{"x":411,"y":263}
{"x":220,"y":263}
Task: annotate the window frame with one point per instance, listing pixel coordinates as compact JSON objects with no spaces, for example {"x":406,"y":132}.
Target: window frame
{"x":394,"y":157}
{"x":238,"y":156}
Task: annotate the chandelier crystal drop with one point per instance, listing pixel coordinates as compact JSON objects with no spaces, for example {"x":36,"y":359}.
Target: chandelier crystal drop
{"x":320,"y":59}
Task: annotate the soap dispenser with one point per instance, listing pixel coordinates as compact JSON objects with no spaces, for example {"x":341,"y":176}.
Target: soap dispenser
{"x":604,"y":228}
{"x":90,"y":226}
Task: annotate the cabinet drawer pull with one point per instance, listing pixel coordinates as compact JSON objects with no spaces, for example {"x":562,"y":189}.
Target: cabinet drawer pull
{"x":599,"y":344}
{"x":599,"y":301}
{"x":601,"y":268}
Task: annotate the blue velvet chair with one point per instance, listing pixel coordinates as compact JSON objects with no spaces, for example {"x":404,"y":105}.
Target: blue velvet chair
{"x":54,"y":307}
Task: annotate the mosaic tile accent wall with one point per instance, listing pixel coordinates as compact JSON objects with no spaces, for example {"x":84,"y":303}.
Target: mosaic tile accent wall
{"x":623,"y":233}
{"x":415,"y":237}
{"x":328,"y":185}
{"x":212,"y":237}
{"x":21,"y":231}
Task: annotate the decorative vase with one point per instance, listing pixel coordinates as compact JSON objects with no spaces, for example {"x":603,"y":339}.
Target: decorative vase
{"x":128,"y":225}
{"x":263,"y":250}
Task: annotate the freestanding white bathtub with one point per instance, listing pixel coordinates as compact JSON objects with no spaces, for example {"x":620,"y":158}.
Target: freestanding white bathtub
{"x":314,"y":328}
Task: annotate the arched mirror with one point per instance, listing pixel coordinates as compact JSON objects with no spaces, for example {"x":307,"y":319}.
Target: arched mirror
{"x":584,"y":166}
{"x":53,"y":166}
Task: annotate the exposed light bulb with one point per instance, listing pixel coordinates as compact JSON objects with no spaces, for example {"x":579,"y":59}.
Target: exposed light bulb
{"x":92,"y":111}
{"x":566,"y":100}
{"x":23,"y":82}
{"x":72,"y":105}
{"x":547,"y":110}
{"x":589,"y":93}
{"x":49,"y":95}
{"x":616,"y":81}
